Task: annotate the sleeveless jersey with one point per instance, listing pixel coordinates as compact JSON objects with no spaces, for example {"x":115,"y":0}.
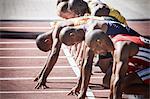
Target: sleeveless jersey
{"x":113,"y":12}
{"x":115,"y":28}
{"x":116,"y":14}
{"x":144,"y":74}
{"x":142,"y":58}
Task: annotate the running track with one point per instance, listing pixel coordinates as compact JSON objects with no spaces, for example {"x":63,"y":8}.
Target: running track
{"x":21,"y":61}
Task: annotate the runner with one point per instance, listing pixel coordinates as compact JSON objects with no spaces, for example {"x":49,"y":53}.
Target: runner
{"x":125,"y":49}
{"x":77,"y":8}
{"x":72,"y":9}
{"x":53,"y":56}
{"x":55,"y":47}
{"x":70,"y":36}
{"x":110,"y":27}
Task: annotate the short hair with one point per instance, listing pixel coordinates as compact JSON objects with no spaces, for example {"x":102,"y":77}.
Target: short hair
{"x":100,"y":10}
{"x":44,"y":41}
{"x":80,"y":7}
{"x":62,"y":7}
{"x":96,"y":38}
{"x":59,"y":1}
{"x":65,"y":35}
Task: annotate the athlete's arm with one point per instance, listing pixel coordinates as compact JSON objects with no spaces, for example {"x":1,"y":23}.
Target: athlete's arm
{"x":86,"y":72}
{"x":124,"y":49}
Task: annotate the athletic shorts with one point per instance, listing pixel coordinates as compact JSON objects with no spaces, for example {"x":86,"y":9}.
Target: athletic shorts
{"x":144,"y":74}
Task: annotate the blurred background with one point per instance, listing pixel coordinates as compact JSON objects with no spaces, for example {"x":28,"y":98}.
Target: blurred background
{"x":21,"y":21}
{"x":46,"y":9}
{"x":29,"y":18}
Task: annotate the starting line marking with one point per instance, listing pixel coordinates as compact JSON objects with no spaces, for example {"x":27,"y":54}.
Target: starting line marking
{"x":30,"y":67}
{"x":25,"y":28}
{"x":50,"y":78}
{"x":21,"y":42}
{"x":75,"y":68}
{"x":32,"y":78}
{"x":37,"y":92}
{"x":3,"y":49}
{"x":20,"y":57}
{"x":31,"y":92}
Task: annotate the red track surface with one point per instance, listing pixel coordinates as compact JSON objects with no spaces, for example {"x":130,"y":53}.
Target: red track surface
{"x":21,"y":62}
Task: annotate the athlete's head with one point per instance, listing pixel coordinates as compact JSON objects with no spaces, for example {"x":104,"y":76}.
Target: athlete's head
{"x":80,"y":7}
{"x":44,"y":42}
{"x":100,"y":10}
{"x":99,"y":42}
{"x":59,"y":1}
{"x":72,"y":9}
{"x":64,"y":11}
{"x":71,"y":35}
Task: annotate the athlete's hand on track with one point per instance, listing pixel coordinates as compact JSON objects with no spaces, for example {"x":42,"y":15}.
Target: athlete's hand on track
{"x":36,"y":79}
{"x":74,"y":91}
{"x":41,"y":84}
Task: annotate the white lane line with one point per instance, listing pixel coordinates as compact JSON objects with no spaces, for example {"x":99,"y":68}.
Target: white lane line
{"x":71,"y":61}
{"x":32,"y":78}
{"x":32,"y":92}
{"x":103,"y":91}
{"x":20,"y":42}
{"x":20,"y":57}
{"x":31,"y":67}
{"x":46,"y":91}
{"x":50,"y":78}
{"x":18,"y":49}
{"x":25,"y":28}
{"x":75,"y":68}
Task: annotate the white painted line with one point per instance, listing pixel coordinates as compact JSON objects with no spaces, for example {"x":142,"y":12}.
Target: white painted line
{"x":18,"y":49}
{"x":103,"y":91}
{"x":32,"y":78}
{"x":75,"y":68}
{"x":32,"y":67}
{"x":22,"y":57}
{"x":25,"y":28}
{"x":44,"y":91}
{"x":71,"y":61}
{"x":20,"y":42}
{"x":32,"y":92}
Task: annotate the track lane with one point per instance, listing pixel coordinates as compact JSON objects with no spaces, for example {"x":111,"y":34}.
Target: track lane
{"x":56,"y":85}
{"x":15,"y":78}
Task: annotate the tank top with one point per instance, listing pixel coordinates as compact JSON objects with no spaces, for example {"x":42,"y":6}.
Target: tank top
{"x":142,"y":58}
{"x":115,"y":28}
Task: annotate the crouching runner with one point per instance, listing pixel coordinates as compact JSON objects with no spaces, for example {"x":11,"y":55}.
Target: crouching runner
{"x":130,"y":71}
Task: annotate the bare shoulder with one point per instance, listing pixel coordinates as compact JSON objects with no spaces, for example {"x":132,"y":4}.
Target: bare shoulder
{"x":100,"y":10}
{"x":127,"y":48}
